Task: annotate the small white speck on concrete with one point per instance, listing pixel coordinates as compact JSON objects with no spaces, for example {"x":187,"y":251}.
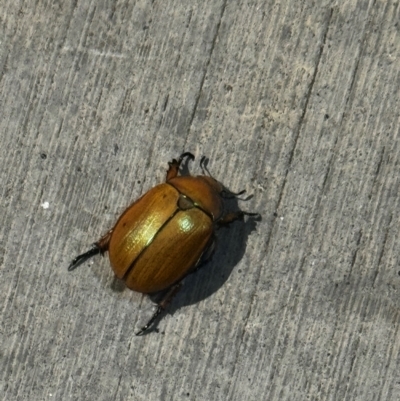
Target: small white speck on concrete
{"x":45,"y":205}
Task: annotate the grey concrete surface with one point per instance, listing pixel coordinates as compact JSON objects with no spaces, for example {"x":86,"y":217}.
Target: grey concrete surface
{"x":296,"y":102}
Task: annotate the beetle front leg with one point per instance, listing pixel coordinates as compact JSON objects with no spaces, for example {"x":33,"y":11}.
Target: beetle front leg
{"x":100,"y":246}
{"x":233,"y":216}
{"x":174,"y":165}
{"x":162,"y":305}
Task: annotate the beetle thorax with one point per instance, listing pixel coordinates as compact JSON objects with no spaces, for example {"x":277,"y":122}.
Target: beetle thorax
{"x":213,"y":183}
{"x":201,"y":191}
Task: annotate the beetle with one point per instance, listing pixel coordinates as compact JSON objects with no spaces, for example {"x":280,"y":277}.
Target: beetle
{"x":166,"y":234}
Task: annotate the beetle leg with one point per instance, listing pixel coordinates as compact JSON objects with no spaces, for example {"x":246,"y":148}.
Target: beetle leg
{"x":162,"y":305}
{"x":99,"y":247}
{"x":150,"y":322}
{"x":226,"y":194}
{"x":83,"y":257}
{"x":206,"y":255}
{"x":233,"y":216}
{"x":174,"y":165}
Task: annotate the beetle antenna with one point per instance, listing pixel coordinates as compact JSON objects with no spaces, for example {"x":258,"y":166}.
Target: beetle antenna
{"x":203,"y":162}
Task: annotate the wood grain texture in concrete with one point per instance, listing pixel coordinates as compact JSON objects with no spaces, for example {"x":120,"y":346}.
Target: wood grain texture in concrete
{"x":296,"y":102}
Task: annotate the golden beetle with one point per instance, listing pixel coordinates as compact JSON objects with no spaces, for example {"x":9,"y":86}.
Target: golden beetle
{"x":166,"y":234}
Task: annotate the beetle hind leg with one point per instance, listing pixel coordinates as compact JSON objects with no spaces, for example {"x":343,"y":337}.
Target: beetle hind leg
{"x":84,"y":257}
{"x":151,"y":321}
{"x":174,"y":165}
{"x":162,"y":304}
{"x":99,"y":247}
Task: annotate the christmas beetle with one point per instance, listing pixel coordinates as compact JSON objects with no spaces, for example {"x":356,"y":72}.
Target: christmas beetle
{"x":166,"y":234}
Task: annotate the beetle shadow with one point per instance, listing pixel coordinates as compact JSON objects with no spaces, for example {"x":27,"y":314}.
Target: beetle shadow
{"x":231,"y":244}
{"x":184,"y":167}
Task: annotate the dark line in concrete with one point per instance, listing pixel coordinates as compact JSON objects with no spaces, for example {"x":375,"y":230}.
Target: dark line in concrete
{"x":4,"y":69}
{"x":165,"y":102}
{"x":328,"y":170}
{"x":321,"y":48}
{"x":125,"y":101}
{"x":382,"y":251}
{"x":354,"y":345}
{"x":317,"y":209}
{"x":354,"y":258}
{"x":378,"y":169}
{"x":207,"y":65}
{"x":189,"y":18}
{"x":353,"y":77}
{"x":301,"y":120}
{"x":119,"y":381}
